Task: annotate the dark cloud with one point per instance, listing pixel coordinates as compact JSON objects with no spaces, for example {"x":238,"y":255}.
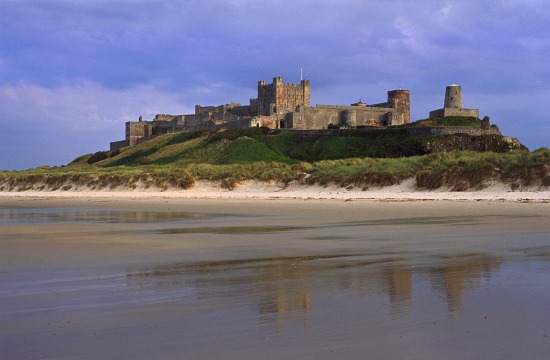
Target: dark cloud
{"x":213,"y":52}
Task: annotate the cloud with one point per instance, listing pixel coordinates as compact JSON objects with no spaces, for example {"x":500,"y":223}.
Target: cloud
{"x":91,"y":65}
{"x":124,"y":44}
{"x":88,"y":106}
{"x":54,"y":125}
{"x":82,"y":107}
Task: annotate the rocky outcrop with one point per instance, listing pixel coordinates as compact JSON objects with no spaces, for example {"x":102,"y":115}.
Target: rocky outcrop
{"x":460,"y":142}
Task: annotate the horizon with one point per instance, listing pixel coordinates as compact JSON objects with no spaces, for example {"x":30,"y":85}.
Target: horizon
{"x":72,"y":73}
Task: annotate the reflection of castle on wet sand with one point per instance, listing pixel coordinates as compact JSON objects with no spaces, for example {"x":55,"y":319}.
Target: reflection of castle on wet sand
{"x":288,"y":284}
{"x":285,"y":288}
{"x":459,"y":274}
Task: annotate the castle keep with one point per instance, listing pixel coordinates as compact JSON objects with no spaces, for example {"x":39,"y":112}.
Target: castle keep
{"x":280,"y":98}
{"x":278,"y":105}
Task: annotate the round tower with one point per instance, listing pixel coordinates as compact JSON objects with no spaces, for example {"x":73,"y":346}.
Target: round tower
{"x":453,"y":97}
{"x":349,"y":118}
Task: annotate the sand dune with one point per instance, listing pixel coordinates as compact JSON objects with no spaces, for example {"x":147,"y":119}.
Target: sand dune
{"x":405,"y":191}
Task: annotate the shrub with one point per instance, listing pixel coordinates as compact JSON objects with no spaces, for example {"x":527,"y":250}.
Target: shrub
{"x":302,"y":167}
{"x":98,"y":156}
{"x":178,"y":179}
{"x":80,"y":159}
{"x":429,"y":179}
{"x":143,"y":161}
{"x":114,"y":153}
{"x":229,"y":183}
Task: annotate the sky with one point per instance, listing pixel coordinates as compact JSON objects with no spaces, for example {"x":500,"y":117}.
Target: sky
{"x":73,"y":72}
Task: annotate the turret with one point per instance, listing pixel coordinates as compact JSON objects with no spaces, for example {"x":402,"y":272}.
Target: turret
{"x":453,"y":105}
{"x":453,"y":97}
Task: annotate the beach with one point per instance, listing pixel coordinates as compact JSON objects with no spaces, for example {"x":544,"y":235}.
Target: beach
{"x":276,"y":274}
{"x":260,"y":190}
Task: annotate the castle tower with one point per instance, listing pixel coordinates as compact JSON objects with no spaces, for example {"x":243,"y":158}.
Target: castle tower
{"x":400,"y":101}
{"x":282,"y":97}
{"x":453,"y":97}
{"x":453,"y":105}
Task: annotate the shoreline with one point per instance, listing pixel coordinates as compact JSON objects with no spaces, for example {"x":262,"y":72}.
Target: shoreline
{"x":255,"y":190}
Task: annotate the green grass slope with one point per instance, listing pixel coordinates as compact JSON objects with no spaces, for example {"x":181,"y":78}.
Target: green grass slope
{"x":236,"y":146}
{"x":346,"y":157}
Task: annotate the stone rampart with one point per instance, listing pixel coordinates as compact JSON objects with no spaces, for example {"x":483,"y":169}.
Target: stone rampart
{"x":237,"y":124}
{"x":115,"y":145}
{"x":197,"y":122}
{"x":446,"y":112}
{"x":321,"y":116}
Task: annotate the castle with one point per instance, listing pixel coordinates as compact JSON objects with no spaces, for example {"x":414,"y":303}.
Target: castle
{"x":279,"y":105}
{"x":282,"y":105}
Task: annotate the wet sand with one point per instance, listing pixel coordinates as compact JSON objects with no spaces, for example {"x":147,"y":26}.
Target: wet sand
{"x":201,"y":279}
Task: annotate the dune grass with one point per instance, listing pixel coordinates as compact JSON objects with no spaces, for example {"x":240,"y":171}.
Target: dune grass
{"x":458,"y":171}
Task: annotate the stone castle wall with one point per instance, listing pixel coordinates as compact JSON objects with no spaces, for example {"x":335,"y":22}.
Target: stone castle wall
{"x":242,"y":123}
{"x":114,"y":145}
{"x":321,"y":116}
{"x":270,"y":122}
{"x":446,"y":112}
{"x":396,"y":111}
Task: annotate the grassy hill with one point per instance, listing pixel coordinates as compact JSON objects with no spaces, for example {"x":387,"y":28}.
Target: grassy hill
{"x":376,"y":157}
{"x":236,"y":146}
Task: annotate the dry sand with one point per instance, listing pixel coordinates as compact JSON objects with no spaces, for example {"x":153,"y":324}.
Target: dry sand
{"x":405,"y":191}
